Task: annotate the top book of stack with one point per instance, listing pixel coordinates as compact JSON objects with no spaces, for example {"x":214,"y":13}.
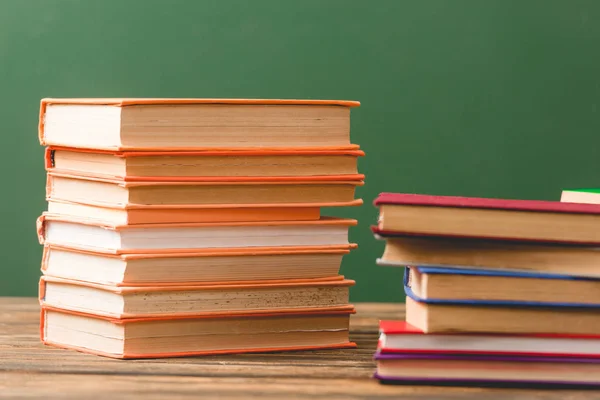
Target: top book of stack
{"x":195,"y":124}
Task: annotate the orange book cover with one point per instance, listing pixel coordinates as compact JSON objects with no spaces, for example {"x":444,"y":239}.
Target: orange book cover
{"x":214,"y":212}
{"x":340,"y":152}
{"x":142,"y":214}
{"x":224,"y":252}
{"x":356,"y":180}
{"x":332,"y":311}
{"x":41,"y":229}
{"x":125,"y":102}
{"x":124,"y":290}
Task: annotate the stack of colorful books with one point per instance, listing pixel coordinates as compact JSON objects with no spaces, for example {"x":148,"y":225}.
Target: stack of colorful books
{"x":498,"y":292}
{"x":193,"y":226}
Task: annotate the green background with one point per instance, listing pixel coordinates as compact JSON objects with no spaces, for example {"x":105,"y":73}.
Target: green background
{"x":477,"y":98}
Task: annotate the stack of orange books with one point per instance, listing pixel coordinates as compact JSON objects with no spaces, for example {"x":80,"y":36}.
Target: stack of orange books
{"x":193,"y":226}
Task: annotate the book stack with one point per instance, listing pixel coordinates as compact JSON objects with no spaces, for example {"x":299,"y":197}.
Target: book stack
{"x":498,"y":292}
{"x":193,"y":226}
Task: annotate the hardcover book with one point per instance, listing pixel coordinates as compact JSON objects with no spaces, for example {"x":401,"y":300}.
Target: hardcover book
{"x":401,"y":337}
{"x":500,"y":255}
{"x":469,"y":217}
{"x":198,"y":165}
{"x":194,"y":124}
{"x":587,"y":196}
{"x":472,"y":286}
{"x":86,"y":234}
{"x":235,"y":265}
{"x":475,"y":370}
{"x":181,"y":300}
{"x":195,"y":335}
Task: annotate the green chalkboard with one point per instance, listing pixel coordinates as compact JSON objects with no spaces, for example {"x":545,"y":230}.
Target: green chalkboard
{"x":463,"y":97}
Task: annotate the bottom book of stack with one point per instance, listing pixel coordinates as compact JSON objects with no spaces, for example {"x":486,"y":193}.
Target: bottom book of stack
{"x":406,"y":355}
{"x":171,"y":321}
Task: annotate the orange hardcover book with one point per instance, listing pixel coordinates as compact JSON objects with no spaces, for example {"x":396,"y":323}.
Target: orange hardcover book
{"x":247,"y":191}
{"x":177,"y":300}
{"x":196,"y":335}
{"x":87,"y":234}
{"x":235,"y":265}
{"x":157,"y":166}
{"x":195,"y":124}
{"x":136,"y":214}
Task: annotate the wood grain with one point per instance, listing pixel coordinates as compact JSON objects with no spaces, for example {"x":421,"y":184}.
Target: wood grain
{"x":30,"y":370}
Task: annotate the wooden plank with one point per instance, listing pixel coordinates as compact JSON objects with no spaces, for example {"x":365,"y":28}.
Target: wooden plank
{"x":56,"y":386}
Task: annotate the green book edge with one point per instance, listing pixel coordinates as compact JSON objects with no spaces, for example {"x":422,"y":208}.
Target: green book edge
{"x":583,"y":190}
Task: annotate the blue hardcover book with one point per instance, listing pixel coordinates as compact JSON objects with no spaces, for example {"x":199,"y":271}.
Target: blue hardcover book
{"x":476,"y":287}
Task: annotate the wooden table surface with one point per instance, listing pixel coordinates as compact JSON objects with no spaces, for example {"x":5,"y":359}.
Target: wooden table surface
{"x":29,"y":369}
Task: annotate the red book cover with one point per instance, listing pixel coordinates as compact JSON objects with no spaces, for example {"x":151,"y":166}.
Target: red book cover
{"x":397,"y":327}
{"x":401,"y":337}
{"x":488,"y":203}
